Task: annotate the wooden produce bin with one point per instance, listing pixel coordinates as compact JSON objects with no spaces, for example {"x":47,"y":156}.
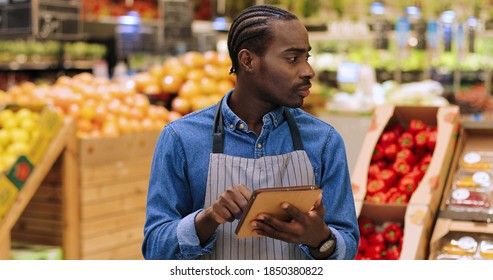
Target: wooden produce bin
{"x":99,"y":211}
{"x":54,"y":148}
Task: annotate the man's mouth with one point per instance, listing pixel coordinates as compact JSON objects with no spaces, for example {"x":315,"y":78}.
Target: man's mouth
{"x":305,"y":90}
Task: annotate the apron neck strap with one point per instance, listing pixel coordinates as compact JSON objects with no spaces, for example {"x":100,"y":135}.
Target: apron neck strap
{"x":217,"y":130}
{"x":295,"y":133}
{"x":218,"y":133}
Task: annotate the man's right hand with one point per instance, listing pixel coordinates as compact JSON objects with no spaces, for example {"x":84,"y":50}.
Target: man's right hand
{"x":226,"y":208}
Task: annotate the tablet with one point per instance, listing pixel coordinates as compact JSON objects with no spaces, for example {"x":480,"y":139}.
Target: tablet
{"x":268,"y":200}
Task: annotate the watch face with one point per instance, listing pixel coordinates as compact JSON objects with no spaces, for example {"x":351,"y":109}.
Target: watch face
{"x":327,"y":245}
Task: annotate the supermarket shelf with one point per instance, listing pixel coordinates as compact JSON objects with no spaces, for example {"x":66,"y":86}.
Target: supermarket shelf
{"x":32,"y":184}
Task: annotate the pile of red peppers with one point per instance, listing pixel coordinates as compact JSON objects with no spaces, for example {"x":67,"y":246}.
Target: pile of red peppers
{"x":379,"y":243}
{"x":399,"y":161}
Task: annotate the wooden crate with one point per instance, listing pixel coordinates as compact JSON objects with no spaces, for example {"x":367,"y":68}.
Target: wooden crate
{"x":93,"y":201}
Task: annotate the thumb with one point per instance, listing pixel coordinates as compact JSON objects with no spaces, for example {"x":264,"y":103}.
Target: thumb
{"x":318,"y":206}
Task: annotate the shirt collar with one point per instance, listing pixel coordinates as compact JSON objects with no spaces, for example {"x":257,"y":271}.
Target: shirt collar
{"x":232,"y":121}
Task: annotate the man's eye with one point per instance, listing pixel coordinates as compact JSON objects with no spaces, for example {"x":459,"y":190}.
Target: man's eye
{"x":292,"y":59}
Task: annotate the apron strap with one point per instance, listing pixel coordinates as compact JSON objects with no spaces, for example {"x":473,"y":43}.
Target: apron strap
{"x":217,"y":131}
{"x":218,"y":134}
{"x":295,"y":133}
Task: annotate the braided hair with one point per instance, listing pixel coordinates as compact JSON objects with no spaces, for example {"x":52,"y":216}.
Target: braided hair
{"x":251,"y":30}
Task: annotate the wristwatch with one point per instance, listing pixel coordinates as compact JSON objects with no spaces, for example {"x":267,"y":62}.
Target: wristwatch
{"x":327,"y":244}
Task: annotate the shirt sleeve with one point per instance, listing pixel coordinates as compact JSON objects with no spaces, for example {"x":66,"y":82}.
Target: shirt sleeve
{"x":338,"y":254}
{"x":338,"y":198}
{"x":169,"y":229}
{"x":189,"y":241}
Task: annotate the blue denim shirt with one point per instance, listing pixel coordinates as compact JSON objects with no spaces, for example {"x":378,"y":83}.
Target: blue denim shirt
{"x":179,"y":170}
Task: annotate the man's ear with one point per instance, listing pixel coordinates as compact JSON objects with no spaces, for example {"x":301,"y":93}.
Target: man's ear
{"x":246,"y":59}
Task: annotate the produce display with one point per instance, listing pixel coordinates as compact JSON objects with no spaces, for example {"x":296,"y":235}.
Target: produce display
{"x":19,"y":130}
{"x":399,"y":161}
{"x":100,"y":107}
{"x":466,"y":246}
{"x":472,"y":184}
{"x":195,"y":80}
{"x":379,"y":241}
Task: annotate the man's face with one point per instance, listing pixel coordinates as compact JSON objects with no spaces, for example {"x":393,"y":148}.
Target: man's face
{"x":284,"y":74}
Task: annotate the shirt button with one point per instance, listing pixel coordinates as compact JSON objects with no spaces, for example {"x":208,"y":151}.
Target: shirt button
{"x":259,"y":146}
{"x":231,"y":126}
{"x":242,"y":126}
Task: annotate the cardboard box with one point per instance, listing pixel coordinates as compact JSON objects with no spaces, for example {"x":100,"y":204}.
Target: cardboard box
{"x":446,"y":228}
{"x":417,"y":221}
{"x":429,"y":191}
{"x":473,"y":138}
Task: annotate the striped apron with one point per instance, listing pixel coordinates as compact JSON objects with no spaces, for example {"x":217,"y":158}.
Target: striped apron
{"x":289,"y":169}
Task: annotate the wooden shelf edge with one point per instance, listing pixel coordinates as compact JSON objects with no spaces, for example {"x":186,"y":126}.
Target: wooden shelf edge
{"x":55,"y":149}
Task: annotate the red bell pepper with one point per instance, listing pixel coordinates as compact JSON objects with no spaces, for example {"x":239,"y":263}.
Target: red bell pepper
{"x":397,"y":128}
{"x":382,"y":163}
{"x":407,"y":185}
{"x":376,"y":238}
{"x":431,"y":141}
{"x":416,"y":174}
{"x":416,"y":125}
{"x":421,"y":138}
{"x":424,"y":163}
{"x":375,"y":252}
{"x":401,"y":167}
{"x":390,"y":151}
{"x":392,"y":253}
{"x":378,"y":152}
{"x":379,"y":198}
{"x":387,"y":138}
{"x":373,"y":171}
{"x":388,"y":176}
{"x":363,"y":244}
{"x":391,"y":191}
{"x":366,"y":226}
{"x":406,"y":155}
{"x":374,"y":186}
{"x":392,"y":233}
{"x":406,"y":140}
{"x":398,"y":198}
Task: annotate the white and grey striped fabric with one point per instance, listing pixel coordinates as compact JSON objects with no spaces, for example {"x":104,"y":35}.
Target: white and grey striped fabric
{"x":273,"y":171}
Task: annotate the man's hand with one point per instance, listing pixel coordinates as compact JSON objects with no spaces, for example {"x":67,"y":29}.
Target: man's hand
{"x":304,"y":228}
{"x":226,"y":208}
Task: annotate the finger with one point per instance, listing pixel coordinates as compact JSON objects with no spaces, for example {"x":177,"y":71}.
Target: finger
{"x":265,"y":227}
{"x":244,"y":190}
{"x":221,"y":213}
{"x":294,"y":212}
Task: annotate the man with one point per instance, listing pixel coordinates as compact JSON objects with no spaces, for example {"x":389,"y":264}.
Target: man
{"x":207,"y":163}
